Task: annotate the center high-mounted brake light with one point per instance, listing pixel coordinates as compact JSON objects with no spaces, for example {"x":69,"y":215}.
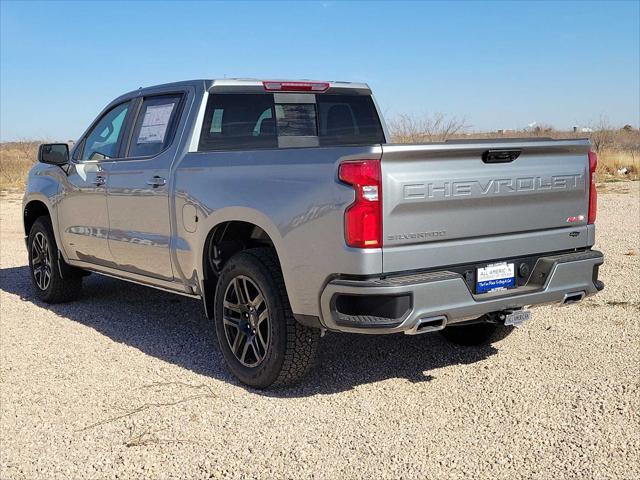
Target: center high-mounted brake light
{"x":593,"y":193}
{"x":274,"y":85}
{"x":363,"y":218}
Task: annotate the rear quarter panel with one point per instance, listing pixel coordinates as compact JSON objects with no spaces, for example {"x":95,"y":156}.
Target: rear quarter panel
{"x":292,"y":194}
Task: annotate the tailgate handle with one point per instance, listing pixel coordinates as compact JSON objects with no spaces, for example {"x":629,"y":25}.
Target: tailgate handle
{"x":500,"y":156}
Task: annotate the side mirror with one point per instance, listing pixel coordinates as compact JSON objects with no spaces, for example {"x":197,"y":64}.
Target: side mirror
{"x":53,"y":153}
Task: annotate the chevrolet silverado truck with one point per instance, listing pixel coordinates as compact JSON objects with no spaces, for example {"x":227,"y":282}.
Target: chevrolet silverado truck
{"x":284,"y":207}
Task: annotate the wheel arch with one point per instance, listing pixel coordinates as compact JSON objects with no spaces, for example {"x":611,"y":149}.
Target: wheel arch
{"x":226,"y":233}
{"x":32,"y":210}
{"x":37,"y":204}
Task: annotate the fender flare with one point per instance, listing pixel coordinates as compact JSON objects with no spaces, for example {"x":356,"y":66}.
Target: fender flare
{"x":234,"y":214}
{"x":37,"y":196}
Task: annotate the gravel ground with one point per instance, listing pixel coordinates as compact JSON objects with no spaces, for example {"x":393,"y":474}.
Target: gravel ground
{"x":129,"y":383}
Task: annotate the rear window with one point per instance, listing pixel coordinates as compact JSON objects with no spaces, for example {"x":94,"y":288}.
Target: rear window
{"x":296,"y":120}
{"x":348,"y":120}
{"x":255,"y":121}
{"x":238,"y":122}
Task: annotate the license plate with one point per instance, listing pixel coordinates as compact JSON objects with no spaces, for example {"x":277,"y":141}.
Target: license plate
{"x":517,"y":318}
{"x":497,"y":276}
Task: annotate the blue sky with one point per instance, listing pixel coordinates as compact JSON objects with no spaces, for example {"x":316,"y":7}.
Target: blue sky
{"x":497,"y":64}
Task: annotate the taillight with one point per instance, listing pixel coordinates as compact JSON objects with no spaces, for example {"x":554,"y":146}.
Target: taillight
{"x":363,"y":218}
{"x":274,"y":85}
{"x":593,"y":193}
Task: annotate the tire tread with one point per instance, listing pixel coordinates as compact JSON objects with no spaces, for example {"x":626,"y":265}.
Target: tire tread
{"x":62,"y":288}
{"x":302,"y":341}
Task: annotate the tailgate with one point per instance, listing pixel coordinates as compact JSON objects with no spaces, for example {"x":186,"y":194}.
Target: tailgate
{"x":471,"y":201}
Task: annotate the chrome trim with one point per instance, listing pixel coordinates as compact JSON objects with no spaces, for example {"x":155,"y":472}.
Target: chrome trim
{"x":197,"y":127}
{"x":416,"y":330}
{"x":573,"y":297}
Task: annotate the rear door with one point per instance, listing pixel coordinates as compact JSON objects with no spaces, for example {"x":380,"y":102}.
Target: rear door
{"x":138,"y":189}
{"x":472,"y":195}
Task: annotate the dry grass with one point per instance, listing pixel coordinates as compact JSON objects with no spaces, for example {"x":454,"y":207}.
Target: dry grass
{"x":16,"y":158}
{"x":618,"y":150}
{"x":614,"y":164}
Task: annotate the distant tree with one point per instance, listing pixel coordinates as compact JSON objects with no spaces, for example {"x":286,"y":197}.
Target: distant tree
{"x":434,"y":128}
{"x":542,"y":128}
{"x":627,"y":128}
{"x":602,"y":135}
{"x":27,"y":149}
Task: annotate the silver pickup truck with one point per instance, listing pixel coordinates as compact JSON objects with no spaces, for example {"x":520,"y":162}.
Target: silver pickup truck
{"x":284,"y":208}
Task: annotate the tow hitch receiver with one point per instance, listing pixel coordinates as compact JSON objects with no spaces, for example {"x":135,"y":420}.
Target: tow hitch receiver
{"x":516,"y":318}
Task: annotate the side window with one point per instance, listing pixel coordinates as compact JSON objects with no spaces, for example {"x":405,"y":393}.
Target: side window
{"x":238,"y":122}
{"x":102,"y":141}
{"x":154,"y":126}
{"x":77,"y":151}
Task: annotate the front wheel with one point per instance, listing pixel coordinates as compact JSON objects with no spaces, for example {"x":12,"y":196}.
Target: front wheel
{"x":262,"y":343}
{"x":51,"y":285}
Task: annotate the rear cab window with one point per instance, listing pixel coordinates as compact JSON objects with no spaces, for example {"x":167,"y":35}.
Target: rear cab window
{"x":246,"y":121}
{"x":348,"y":120}
{"x":238,"y":121}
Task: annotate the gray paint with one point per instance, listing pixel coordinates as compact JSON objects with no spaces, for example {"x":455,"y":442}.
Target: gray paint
{"x":446,"y":294}
{"x":150,"y":235}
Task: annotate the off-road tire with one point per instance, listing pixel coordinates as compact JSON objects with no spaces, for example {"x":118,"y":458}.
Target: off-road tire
{"x":65,"y":282}
{"x":292,"y":347}
{"x":476,"y":334}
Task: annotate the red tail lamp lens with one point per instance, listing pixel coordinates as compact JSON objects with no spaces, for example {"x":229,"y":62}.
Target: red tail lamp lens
{"x":593,"y":193}
{"x":363,"y":218}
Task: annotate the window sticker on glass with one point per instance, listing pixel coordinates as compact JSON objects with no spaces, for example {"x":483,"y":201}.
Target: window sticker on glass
{"x":155,"y":123}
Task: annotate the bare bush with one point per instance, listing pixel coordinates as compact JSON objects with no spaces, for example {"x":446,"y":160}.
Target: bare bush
{"x":603,"y":135}
{"x":16,"y":158}
{"x":618,"y":148}
{"x":27,"y":149}
{"x":435,"y":128}
{"x":542,"y":129}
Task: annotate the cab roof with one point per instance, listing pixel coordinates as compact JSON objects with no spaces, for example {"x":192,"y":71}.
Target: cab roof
{"x":254,"y":85}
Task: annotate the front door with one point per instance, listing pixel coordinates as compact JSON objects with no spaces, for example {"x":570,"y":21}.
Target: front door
{"x":138,"y":191}
{"x":82,"y":206}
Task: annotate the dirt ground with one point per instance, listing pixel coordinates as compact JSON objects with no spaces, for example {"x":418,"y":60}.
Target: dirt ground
{"x":129,"y":382}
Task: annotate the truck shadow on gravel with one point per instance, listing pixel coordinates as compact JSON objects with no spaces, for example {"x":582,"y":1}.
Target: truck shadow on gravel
{"x":174,"y":329}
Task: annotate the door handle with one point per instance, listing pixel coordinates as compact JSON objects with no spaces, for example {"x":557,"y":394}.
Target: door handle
{"x":99,"y":180}
{"x":156,"y":181}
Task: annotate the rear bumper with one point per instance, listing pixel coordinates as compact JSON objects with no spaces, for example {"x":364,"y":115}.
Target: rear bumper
{"x":402,"y":303}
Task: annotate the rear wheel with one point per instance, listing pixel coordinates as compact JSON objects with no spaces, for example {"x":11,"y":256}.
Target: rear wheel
{"x":262,"y":343}
{"x":51,"y":285}
{"x":476,"y":334}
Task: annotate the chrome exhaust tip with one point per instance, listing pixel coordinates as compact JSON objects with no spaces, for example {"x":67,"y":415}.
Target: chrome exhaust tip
{"x":573,"y":297}
{"x":428,"y":324}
